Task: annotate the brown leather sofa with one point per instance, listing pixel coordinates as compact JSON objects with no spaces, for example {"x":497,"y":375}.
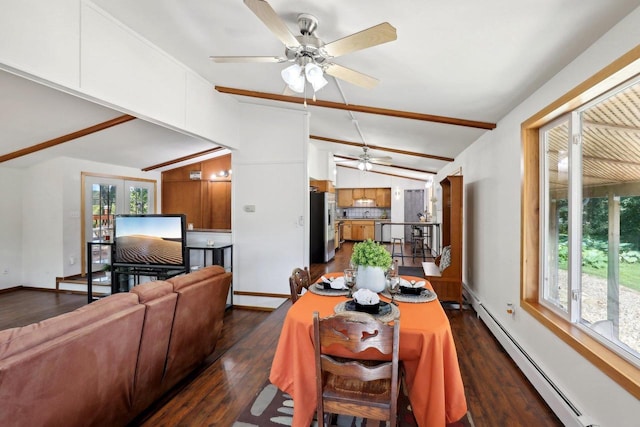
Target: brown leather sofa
{"x":104,"y":363}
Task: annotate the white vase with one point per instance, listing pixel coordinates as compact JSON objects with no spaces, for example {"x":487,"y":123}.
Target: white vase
{"x":371,"y":278}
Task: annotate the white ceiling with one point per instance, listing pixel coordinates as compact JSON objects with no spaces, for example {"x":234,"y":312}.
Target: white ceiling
{"x":472,"y":60}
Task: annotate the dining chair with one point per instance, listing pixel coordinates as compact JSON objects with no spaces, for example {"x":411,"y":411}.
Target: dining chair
{"x":300,"y":279}
{"x":356,"y":385}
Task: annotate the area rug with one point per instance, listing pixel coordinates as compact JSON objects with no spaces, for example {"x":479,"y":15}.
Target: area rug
{"x":272,"y":407}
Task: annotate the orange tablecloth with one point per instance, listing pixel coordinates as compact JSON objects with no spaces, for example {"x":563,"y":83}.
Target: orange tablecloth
{"x":427,"y":351}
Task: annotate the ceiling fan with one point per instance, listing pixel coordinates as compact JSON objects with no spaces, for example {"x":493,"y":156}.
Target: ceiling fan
{"x":310,"y":56}
{"x":365,"y":162}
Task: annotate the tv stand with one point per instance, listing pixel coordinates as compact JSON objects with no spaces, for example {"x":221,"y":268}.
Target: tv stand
{"x":137,"y":272}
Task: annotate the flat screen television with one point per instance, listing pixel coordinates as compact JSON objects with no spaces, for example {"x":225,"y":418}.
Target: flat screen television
{"x":150,"y":241}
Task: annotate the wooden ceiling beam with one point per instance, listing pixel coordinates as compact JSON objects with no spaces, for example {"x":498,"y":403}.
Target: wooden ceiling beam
{"x":376,"y":147}
{"x":358,"y":108}
{"x":182,"y":159}
{"x":389,"y":166}
{"x":66,"y":138}
{"x":384,"y":173}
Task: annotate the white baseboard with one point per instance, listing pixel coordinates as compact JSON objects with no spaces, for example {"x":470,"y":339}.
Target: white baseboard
{"x":557,"y":400}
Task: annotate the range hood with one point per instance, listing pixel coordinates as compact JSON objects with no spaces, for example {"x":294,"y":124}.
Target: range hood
{"x":364,"y":203}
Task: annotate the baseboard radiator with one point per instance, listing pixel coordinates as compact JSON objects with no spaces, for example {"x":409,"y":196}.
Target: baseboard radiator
{"x":559,"y":402}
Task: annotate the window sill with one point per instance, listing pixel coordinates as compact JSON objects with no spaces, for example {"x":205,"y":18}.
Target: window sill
{"x":613,"y":365}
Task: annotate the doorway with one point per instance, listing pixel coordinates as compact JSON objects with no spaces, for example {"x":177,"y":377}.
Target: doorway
{"x":413,"y":206}
{"x":104,"y":197}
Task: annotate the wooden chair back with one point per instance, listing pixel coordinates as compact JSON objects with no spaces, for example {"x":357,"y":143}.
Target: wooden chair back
{"x":300,"y":279}
{"x":349,"y":383}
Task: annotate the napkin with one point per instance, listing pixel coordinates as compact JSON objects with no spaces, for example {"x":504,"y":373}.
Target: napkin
{"x":412,"y":284}
{"x":335,"y":283}
{"x":366,"y":297}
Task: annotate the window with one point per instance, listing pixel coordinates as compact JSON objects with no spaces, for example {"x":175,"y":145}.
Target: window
{"x":591,"y":200}
{"x":581,"y":248}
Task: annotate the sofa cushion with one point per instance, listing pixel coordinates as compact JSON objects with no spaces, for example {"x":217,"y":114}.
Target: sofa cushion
{"x":180,"y":282}
{"x":151,"y":290}
{"x":160,"y":301}
{"x":79,"y":378}
{"x":16,"y":340}
{"x":198,"y":320}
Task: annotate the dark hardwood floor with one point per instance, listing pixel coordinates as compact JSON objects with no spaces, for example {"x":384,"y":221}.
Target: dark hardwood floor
{"x":497,"y":392}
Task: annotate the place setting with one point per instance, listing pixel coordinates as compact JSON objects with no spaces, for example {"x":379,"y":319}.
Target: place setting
{"x":333,"y":286}
{"x":411,"y":291}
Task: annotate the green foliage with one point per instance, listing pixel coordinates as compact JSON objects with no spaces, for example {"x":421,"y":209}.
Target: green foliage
{"x":372,"y":254}
{"x":595,"y":253}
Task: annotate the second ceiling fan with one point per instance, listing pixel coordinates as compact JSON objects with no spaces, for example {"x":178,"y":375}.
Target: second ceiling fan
{"x":365,"y":162}
{"x":310,"y":56}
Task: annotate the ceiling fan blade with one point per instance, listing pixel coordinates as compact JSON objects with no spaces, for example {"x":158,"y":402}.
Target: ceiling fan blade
{"x":240,"y":59}
{"x":270,"y":18}
{"x":379,"y":34}
{"x":380,"y":159}
{"x":381,"y":162}
{"x":348,"y":75}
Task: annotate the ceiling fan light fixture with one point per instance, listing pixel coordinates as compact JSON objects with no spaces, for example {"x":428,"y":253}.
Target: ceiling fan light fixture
{"x":365,"y":165}
{"x":315,"y":76}
{"x":294,"y":78}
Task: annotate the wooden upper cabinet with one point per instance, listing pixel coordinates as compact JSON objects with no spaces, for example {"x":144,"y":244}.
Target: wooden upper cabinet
{"x":218,"y":206}
{"x":183,"y":197}
{"x":383,"y":197}
{"x":323,"y":186}
{"x":358,"y":193}
{"x":370,"y":193}
{"x":345,"y":197}
{"x":206,"y":201}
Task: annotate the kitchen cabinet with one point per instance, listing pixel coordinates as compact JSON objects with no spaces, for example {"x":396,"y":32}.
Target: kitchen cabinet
{"x":358,"y":193}
{"x":206,"y":201}
{"x":380,"y":196}
{"x":322,"y":186}
{"x":345,"y":197}
{"x":362,"y":230}
{"x":370,"y":193}
{"x":217,"y":206}
{"x":346,"y":230}
{"x":383,"y":197}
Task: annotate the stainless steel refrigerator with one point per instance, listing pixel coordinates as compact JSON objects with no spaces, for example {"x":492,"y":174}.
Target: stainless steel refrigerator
{"x":322,"y":208}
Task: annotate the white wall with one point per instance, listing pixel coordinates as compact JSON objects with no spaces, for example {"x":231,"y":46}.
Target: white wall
{"x":49,"y":217}
{"x":492,"y":179}
{"x":73,"y":45}
{"x":10,"y":227}
{"x":270,"y":174}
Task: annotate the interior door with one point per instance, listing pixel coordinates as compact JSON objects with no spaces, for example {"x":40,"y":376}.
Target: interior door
{"x":413,"y":204}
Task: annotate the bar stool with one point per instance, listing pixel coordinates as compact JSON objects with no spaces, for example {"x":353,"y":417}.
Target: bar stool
{"x":418,"y":248}
{"x":400,"y":254}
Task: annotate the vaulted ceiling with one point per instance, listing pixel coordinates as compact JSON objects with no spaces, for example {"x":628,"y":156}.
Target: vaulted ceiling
{"x":466,"y":63}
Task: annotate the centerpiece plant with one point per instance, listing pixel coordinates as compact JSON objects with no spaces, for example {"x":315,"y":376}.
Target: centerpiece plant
{"x":372,"y":260}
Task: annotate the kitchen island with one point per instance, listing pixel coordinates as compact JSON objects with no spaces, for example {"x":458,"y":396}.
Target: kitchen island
{"x":429,"y":230}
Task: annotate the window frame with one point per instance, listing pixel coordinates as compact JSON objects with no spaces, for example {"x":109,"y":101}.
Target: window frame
{"x":608,"y":361}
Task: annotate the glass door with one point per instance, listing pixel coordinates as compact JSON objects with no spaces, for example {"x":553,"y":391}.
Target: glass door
{"x":104,"y":198}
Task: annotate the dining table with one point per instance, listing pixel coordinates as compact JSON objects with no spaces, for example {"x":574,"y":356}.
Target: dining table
{"x":427,"y":352}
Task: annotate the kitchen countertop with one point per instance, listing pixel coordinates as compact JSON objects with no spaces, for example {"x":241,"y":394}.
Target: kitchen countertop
{"x":363,"y":219}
